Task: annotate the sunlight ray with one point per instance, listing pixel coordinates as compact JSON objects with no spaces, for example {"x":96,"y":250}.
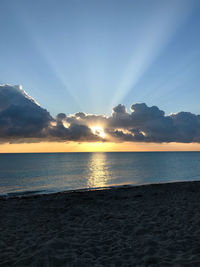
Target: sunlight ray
{"x":157,"y":33}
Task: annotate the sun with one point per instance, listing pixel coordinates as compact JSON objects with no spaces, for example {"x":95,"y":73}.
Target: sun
{"x":98,"y":130}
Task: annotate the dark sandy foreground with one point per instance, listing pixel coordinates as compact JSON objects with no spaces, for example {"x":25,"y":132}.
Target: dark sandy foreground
{"x":154,"y":225}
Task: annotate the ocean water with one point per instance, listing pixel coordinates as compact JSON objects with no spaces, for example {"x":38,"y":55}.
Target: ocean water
{"x":22,"y":174}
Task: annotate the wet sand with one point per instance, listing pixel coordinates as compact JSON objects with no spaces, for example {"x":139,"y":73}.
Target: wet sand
{"x":151,"y":225}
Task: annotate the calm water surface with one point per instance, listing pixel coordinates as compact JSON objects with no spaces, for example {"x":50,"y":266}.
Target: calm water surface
{"x":46,"y":173}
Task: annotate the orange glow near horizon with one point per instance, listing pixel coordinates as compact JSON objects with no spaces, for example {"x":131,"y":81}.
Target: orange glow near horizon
{"x":49,"y":147}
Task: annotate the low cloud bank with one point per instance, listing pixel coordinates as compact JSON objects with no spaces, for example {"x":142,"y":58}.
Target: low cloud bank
{"x":22,"y":119}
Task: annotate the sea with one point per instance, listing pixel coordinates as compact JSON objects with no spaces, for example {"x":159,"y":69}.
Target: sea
{"x":44,"y":173}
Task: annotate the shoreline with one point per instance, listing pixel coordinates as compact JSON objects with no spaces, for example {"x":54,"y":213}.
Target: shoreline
{"x":29,"y":194}
{"x":141,"y":225}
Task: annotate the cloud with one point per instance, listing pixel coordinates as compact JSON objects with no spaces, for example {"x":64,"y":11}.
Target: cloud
{"x":20,"y":115}
{"x":74,"y":132}
{"x":22,"y":119}
{"x":149,"y":124}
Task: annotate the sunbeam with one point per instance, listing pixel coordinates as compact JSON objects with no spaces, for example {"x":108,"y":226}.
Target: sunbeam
{"x":90,"y":58}
{"x":156,"y":34}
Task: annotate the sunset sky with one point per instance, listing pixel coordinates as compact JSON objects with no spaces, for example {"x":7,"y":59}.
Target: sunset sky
{"x":85,"y":64}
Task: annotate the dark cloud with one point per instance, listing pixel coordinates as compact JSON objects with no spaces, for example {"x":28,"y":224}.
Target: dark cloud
{"x":75,"y":132}
{"x":22,"y":119}
{"x":20,"y":115}
{"x":186,"y":127}
{"x":60,"y":117}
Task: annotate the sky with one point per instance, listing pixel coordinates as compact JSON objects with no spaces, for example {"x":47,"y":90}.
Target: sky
{"x":90,"y":56}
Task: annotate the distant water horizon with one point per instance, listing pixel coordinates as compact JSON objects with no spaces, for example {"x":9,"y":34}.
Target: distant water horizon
{"x":43,"y":173}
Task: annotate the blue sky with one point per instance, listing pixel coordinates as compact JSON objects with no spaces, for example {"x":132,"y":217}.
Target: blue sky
{"x":92,"y":55}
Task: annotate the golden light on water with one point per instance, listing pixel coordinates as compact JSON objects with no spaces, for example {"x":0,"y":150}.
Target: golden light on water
{"x":98,"y":130}
{"x":98,"y":173}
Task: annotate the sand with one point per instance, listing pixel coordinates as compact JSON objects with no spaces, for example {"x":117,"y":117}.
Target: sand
{"x":153,"y":225}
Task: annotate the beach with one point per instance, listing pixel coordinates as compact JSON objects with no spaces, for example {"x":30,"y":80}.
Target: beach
{"x":149,"y":225}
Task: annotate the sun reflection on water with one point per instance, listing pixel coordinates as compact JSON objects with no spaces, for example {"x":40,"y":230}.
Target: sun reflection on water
{"x":99,"y":173}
